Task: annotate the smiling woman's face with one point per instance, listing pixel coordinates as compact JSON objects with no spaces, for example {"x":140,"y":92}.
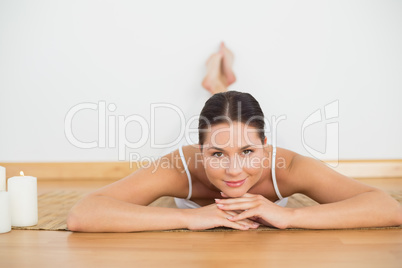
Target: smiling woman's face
{"x":233,"y":157}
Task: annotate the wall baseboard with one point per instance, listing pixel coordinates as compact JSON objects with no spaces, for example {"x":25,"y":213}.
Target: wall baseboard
{"x":368,"y":168}
{"x":118,"y":170}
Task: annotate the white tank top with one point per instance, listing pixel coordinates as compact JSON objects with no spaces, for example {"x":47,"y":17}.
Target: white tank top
{"x":187,"y":203}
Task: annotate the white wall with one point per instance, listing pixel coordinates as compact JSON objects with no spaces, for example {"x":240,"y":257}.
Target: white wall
{"x":294,"y":56}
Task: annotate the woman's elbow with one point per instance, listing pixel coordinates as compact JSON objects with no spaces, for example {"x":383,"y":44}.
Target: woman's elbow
{"x":392,"y":209}
{"x":399,"y":216}
{"x":72,"y":222}
{"x":75,"y":216}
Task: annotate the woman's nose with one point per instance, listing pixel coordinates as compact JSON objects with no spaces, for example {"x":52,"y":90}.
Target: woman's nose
{"x":234,"y":167}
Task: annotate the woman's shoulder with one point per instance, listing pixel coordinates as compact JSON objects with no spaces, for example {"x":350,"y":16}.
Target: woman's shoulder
{"x":283,"y":166}
{"x":284,"y":158}
{"x":191,"y":158}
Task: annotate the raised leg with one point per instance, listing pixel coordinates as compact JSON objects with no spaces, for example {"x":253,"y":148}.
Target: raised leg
{"x":219,"y":71}
{"x":227,"y":64}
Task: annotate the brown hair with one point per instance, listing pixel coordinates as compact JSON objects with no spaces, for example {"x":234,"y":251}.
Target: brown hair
{"x":231,"y":106}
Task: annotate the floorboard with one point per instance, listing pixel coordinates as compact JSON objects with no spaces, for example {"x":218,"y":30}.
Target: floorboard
{"x":310,"y":248}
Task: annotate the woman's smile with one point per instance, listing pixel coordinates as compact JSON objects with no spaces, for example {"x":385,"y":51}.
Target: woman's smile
{"x":235,"y":183}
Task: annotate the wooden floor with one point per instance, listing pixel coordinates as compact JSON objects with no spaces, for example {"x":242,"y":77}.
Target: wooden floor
{"x":313,"y":248}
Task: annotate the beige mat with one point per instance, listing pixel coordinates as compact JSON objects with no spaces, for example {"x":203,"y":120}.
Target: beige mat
{"x":54,"y":206}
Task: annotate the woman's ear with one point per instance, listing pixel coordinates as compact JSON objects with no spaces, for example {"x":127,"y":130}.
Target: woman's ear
{"x":265,"y":140}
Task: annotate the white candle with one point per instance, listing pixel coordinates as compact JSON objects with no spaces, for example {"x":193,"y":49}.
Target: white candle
{"x":23,"y":200}
{"x":5,"y":216}
{"x":2,"y":178}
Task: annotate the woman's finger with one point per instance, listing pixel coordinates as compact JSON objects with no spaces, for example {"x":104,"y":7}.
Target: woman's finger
{"x":240,"y":225}
{"x":238,"y":206}
{"x":244,"y":215}
{"x":234,"y":225}
{"x":234,"y":200}
{"x":223,"y":194}
{"x":249,"y":195}
{"x":247,"y":222}
{"x":245,"y":195}
{"x":231,"y":213}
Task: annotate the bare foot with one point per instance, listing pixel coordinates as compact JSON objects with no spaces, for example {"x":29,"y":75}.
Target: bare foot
{"x":214,"y":81}
{"x":227,"y":64}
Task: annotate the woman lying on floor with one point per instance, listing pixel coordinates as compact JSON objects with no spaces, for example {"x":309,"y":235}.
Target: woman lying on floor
{"x":232,"y":178}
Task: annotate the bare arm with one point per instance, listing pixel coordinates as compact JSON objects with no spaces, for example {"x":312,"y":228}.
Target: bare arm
{"x":122,"y":205}
{"x":344,"y":202}
{"x":98,"y":213}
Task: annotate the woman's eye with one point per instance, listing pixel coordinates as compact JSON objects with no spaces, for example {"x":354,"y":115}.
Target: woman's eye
{"x":246,"y":152}
{"x":217,"y":154}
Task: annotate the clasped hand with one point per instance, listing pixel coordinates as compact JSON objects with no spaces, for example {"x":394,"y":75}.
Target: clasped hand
{"x":242,"y":213}
{"x":256,"y":208}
